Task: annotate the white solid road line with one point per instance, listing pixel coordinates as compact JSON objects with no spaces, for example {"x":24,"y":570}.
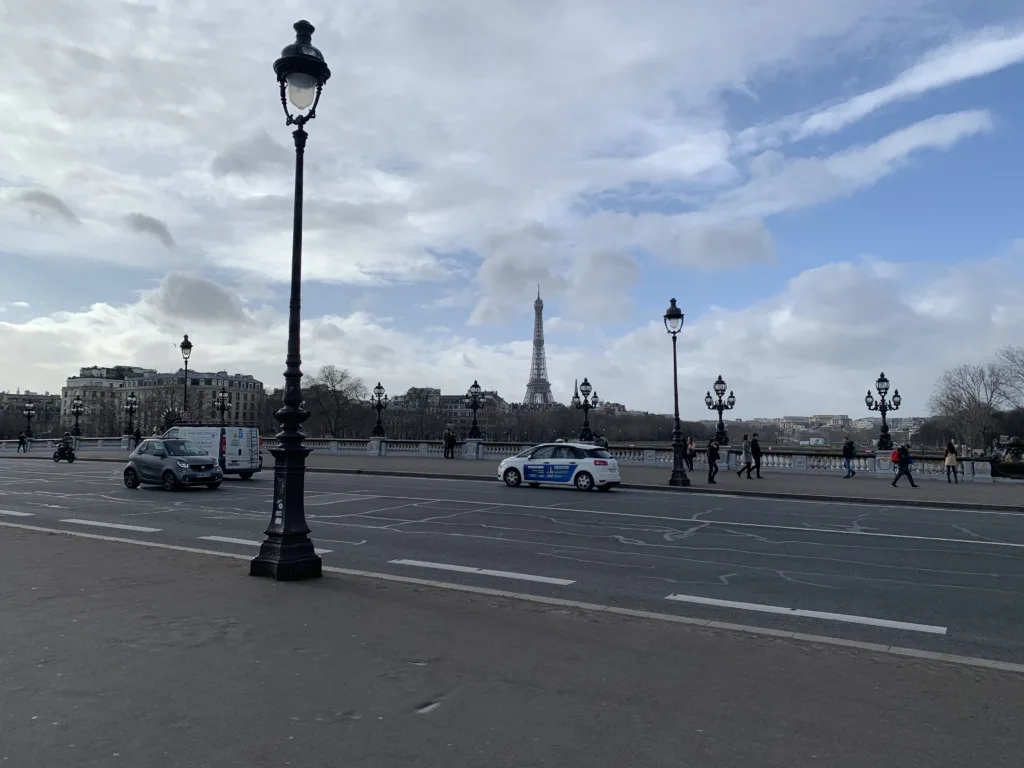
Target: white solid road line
{"x":930,"y":629}
{"x":484,"y":572}
{"x":248,"y":542}
{"x":12,"y":513}
{"x":119,"y":526}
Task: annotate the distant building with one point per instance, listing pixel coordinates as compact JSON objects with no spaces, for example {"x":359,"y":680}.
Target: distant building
{"x":46,"y":408}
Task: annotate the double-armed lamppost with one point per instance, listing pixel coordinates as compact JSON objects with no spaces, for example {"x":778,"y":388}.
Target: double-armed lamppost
{"x":674,"y":324}
{"x":186,"y":353}
{"x":131,"y":405}
{"x":585,"y":403}
{"x":379,"y":402}
{"x":287,"y":552}
{"x":472,"y":402}
{"x":221,"y":403}
{"x":28,"y":412}
{"x":77,"y":409}
{"x":883,"y":406}
{"x":721,"y":406}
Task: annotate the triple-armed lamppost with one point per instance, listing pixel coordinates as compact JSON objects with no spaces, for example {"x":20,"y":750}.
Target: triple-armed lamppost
{"x":379,"y":403}
{"x":77,"y":409}
{"x":721,"y":436}
{"x":131,"y":406}
{"x":287,"y":553}
{"x":221,"y":404}
{"x":585,"y":403}
{"x":472,"y":402}
{"x":883,"y":406}
{"x":29,"y":411}
{"x":674,"y":324}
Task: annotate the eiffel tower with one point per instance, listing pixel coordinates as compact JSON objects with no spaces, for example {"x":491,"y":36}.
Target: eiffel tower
{"x":538,"y":388}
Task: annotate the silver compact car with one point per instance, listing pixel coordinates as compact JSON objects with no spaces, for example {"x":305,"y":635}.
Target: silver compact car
{"x":171,"y":464}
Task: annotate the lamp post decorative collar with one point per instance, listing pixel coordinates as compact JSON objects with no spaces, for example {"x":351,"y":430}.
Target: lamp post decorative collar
{"x":883,"y":406}
{"x":721,"y":406}
{"x":287,"y":552}
{"x":585,"y":404}
{"x":379,"y":402}
{"x":472,"y":402}
{"x":674,"y":324}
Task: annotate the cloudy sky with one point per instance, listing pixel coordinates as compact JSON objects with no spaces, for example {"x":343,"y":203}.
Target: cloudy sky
{"x":829,"y":188}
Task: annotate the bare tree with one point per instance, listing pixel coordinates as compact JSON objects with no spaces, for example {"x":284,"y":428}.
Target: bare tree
{"x":969,"y":398}
{"x":334,"y":396}
{"x":1011,"y":360}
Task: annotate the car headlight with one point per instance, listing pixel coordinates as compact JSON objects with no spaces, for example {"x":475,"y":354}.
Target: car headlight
{"x":182,"y":464}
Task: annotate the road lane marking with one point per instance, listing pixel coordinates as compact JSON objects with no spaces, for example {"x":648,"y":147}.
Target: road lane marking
{"x":119,"y":526}
{"x":670,"y":618}
{"x":849,"y":619}
{"x":12,"y":513}
{"x":484,"y":572}
{"x":248,"y":542}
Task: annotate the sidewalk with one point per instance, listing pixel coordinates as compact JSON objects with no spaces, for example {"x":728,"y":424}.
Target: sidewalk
{"x":114,"y":654}
{"x":1005,"y":496}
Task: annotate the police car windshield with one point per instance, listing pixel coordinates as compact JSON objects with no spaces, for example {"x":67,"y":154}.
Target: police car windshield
{"x":598,"y":453}
{"x":183,"y":448}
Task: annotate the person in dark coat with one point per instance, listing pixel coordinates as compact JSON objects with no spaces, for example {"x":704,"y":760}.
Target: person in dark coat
{"x":22,"y":443}
{"x":849,"y":452}
{"x":755,"y":452}
{"x":712,"y":461}
{"x":449,"y":444}
{"x":903,"y":465}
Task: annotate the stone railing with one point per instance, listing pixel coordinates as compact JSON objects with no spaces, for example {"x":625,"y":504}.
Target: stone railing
{"x":784,"y":460}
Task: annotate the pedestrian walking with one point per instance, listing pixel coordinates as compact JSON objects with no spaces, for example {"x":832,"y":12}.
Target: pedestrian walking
{"x":755,"y":451}
{"x":449,"y":444}
{"x":712,"y":462}
{"x":691,"y":453}
{"x":849,"y":452}
{"x":903,"y":462}
{"x":22,"y":443}
{"x":952,"y":464}
{"x":748,"y":459}
{"x":137,"y":435}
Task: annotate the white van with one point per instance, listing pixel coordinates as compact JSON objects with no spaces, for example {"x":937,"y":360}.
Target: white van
{"x":239,"y":449}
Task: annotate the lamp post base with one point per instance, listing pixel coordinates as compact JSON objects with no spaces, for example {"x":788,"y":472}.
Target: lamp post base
{"x":287,"y":558}
{"x":586,"y":436}
{"x":679,"y":479}
{"x":378,"y":431}
{"x":885,"y":442}
{"x":722,"y":438}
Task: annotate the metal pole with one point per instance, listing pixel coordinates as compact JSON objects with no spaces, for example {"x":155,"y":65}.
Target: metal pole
{"x":678,"y":477}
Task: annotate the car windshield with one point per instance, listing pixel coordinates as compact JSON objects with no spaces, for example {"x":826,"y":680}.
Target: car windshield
{"x":183,"y":448}
{"x":598,"y":453}
{"x":524,"y":454}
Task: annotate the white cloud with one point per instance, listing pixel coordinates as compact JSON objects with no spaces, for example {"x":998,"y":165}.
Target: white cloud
{"x":812,"y":348}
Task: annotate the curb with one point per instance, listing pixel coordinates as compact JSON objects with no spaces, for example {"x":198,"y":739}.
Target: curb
{"x":700,"y":491}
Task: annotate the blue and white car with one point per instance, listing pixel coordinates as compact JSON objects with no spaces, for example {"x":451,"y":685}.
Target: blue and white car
{"x":580,"y":464}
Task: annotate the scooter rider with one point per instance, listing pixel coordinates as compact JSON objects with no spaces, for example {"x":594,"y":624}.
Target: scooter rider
{"x":67,"y":444}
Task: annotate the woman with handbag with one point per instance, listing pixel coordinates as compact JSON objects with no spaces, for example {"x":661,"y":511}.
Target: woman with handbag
{"x":952,"y":464}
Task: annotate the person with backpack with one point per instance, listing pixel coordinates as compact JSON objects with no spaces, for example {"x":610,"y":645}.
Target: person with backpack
{"x":849,"y":452}
{"x":903,"y":462}
{"x":952,"y":463}
{"x":712,"y":462}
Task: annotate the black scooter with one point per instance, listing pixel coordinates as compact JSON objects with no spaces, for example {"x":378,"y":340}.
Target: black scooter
{"x":64,"y":452}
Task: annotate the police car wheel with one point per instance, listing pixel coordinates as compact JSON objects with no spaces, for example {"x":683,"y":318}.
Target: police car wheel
{"x":583,"y":481}
{"x":512,"y":477}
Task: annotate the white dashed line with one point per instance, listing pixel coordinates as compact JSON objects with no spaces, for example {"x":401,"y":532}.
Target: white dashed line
{"x":12,"y":513}
{"x":484,"y":572}
{"x":930,"y":629}
{"x":119,"y":526}
{"x":247,"y":542}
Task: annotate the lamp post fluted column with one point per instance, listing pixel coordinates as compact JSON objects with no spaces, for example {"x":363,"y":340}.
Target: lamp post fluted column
{"x":186,"y":353}
{"x":287,"y":553}
{"x":674,"y":324}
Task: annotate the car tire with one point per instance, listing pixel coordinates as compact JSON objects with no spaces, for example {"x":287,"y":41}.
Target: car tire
{"x":213,"y":486}
{"x":131,"y":479}
{"x":512,"y":477}
{"x":534,"y":485}
{"x":168,"y":481}
{"x":245,"y":475}
{"x":583,"y":481}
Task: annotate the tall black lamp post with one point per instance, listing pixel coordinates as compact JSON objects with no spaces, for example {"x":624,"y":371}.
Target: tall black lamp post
{"x":186,"y":353}
{"x":472,"y":402}
{"x":883,"y":406}
{"x":28,"y":412}
{"x":77,"y":409}
{"x":287,"y":552}
{"x":721,"y":406}
{"x":131,"y":405}
{"x":585,"y":403}
{"x":379,"y":402}
{"x":674,"y":324}
{"x":221,"y":403}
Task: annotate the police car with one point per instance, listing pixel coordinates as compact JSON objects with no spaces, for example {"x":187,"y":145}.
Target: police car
{"x":581,"y":464}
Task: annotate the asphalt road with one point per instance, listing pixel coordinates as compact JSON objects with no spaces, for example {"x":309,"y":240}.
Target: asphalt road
{"x":949,"y":581}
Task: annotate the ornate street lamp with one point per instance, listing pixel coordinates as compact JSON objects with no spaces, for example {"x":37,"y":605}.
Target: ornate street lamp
{"x":585,"y":403}
{"x":186,"y":353}
{"x":883,"y":406}
{"x":130,"y":407}
{"x":674,"y":324}
{"x":77,"y":409}
{"x":379,"y":402}
{"x":28,"y":412}
{"x":721,"y":406}
{"x":472,"y":402}
{"x":222,"y":403}
{"x":287,"y":552}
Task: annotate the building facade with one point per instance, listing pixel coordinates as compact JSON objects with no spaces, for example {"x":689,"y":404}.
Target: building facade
{"x":46,"y":413}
